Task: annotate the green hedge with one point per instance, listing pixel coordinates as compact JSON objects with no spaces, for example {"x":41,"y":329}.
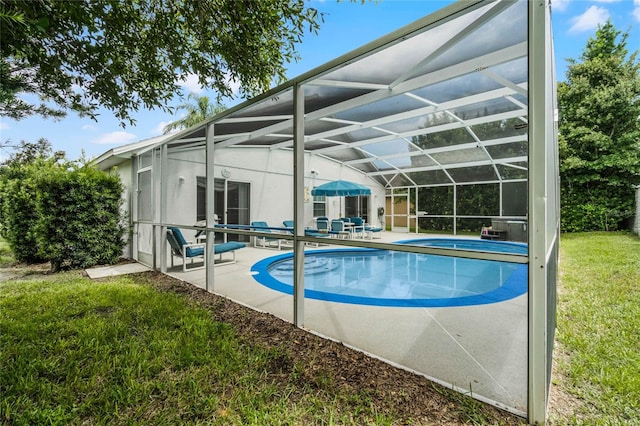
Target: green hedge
{"x":18,"y":215}
{"x":596,"y":207}
{"x":66,"y":214}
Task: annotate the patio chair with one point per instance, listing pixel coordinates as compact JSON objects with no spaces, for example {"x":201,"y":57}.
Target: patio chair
{"x":228,"y":247}
{"x":289,"y":224}
{"x":358,"y":226}
{"x":266,"y":242}
{"x":183,"y":249}
{"x":322,"y":225}
{"x":308,"y":232}
{"x":338,"y":229}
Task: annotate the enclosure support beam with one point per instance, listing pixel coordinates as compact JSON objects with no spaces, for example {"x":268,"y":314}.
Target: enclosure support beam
{"x":133,"y":208}
{"x":210,"y":216}
{"x":163,"y":209}
{"x":455,"y":209}
{"x":501,"y":205}
{"x":541,"y":111}
{"x":298,"y":205}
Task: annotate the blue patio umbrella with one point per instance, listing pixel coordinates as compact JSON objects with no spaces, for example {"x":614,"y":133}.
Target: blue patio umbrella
{"x":341,"y":188}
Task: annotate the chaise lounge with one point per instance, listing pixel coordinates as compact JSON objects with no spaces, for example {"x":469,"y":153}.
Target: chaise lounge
{"x":266,"y":242}
{"x":185,"y":250}
{"x":308,"y":232}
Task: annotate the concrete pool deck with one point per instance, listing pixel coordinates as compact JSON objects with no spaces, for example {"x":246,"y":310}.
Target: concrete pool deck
{"x":479,"y":349}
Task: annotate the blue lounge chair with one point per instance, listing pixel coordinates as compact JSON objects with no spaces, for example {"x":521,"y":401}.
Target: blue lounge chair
{"x":308,"y":232}
{"x":228,"y":247}
{"x":266,"y":241}
{"x":370,"y":230}
{"x":185,"y":250}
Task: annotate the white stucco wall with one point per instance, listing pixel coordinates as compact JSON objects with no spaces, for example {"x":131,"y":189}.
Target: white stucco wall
{"x":124,"y":171}
{"x":270,"y":174}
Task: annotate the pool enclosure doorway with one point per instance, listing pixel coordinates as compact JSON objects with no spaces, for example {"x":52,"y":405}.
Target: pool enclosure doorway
{"x":452,"y":115}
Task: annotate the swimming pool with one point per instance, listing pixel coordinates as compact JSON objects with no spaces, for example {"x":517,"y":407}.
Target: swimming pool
{"x":391,"y":278}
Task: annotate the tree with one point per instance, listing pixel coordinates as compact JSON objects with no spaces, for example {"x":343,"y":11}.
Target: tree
{"x":600,"y":134}
{"x":124,"y":55}
{"x":27,"y":153}
{"x":196,"y":112}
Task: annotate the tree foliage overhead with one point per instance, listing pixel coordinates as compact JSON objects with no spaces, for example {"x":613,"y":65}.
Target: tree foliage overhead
{"x":600,"y":134}
{"x":125,"y":55}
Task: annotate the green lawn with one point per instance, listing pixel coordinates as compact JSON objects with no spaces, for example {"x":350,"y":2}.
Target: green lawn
{"x":599,"y":326}
{"x":75,"y":351}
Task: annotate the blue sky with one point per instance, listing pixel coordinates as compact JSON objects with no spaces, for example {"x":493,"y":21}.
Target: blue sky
{"x":347,"y":26}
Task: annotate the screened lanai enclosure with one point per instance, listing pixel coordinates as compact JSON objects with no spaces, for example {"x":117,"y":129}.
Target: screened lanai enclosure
{"x":451,"y":124}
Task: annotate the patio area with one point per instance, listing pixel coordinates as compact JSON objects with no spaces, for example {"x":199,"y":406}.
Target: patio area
{"x":479,"y":350}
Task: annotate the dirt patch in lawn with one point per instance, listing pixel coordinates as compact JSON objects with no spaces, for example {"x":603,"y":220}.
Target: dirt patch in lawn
{"x":412,"y":397}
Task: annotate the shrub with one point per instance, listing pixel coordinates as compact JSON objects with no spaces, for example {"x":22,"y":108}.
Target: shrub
{"x":18,"y":216}
{"x":79,"y":218}
{"x":57,"y":211}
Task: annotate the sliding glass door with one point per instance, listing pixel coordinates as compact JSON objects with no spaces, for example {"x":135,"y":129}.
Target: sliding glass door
{"x":231,"y":206}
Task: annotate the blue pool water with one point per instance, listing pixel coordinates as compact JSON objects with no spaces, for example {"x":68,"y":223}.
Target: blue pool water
{"x":477,"y":245}
{"x":391,"y":278}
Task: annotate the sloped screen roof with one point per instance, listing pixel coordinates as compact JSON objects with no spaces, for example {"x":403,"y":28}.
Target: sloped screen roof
{"x":443,"y":102}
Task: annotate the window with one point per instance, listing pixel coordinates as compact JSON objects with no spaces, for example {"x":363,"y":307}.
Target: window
{"x":319,"y":205}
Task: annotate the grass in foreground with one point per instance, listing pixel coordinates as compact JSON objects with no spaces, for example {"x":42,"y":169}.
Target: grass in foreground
{"x":74,"y":352}
{"x":599,"y":326}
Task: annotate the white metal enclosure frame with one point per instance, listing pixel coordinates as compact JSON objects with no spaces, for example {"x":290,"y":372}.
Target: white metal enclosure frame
{"x":463,"y":96}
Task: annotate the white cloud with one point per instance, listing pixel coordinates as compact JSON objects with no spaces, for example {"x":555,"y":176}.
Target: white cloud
{"x":88,"y":127}
{"x":159,"y":129}
{"x":589,"y":20}
{"x":191,"y":84}
{"x":559,"y":5}
{"x":115,"y":138}
{"x":4,"y":126}
{"x":636,"y":10}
